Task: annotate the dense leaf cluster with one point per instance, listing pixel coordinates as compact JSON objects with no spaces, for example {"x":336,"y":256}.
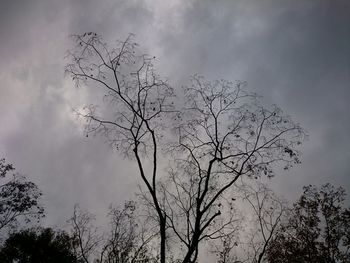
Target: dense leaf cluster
{"x":39,"y":246}
{"x":19,"y":198}
{"x":317,"y":230}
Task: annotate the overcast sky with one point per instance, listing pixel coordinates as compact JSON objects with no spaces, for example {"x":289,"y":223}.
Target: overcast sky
{"x":295,"y":53}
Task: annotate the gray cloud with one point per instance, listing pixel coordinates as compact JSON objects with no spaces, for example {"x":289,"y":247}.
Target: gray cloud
{"x":294,"y":53}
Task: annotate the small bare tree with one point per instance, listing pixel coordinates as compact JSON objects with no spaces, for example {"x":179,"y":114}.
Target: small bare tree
{"x":129,"y":240}
{"x":222,"y":133}
{"x":125,"y":242}
{"x":85,"y":236}
{"x":268,"y":214}
{"x":263,"y":214}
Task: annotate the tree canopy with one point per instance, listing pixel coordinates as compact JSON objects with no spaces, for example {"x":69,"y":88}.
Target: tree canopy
{"x":39,"y":246}
{"x":19,"y":198}
{"x":317,"y":230}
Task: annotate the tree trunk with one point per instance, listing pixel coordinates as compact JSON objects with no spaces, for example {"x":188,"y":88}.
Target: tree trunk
{"x":162,"y":225}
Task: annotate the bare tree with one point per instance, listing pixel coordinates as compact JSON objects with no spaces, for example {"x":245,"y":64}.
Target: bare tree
{"x":223,"y":133}
{"x":268,"y":214}
{"x":126,"y":241}
{"x":85,"y":236}
{"x":263,"y":213}
{"x":139,"y":100}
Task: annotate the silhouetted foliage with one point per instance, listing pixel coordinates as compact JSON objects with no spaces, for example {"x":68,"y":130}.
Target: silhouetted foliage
{"x":38,"y":246}
{"x":18,"y":197}
{"x":317,"y":230}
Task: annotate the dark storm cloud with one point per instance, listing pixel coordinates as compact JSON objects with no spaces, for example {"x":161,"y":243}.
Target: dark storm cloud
{"x":294,"y":53}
